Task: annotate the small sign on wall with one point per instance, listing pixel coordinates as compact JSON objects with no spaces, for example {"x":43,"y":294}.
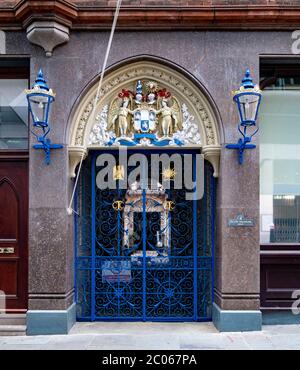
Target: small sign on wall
{"x":240,"y":221}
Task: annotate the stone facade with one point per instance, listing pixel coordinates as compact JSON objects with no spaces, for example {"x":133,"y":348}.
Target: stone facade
{"x":217,"y":59}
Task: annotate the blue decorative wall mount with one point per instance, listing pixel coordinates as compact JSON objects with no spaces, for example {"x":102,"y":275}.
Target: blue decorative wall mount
{"x":40,"y":98}
{"x":248,"y":99}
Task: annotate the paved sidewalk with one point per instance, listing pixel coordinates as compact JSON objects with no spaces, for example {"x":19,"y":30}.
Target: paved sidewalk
{"x":158,"y":336}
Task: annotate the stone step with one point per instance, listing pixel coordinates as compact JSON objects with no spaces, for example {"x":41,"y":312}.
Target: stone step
{"x":12,"y":330}
{"x":12,"y":319}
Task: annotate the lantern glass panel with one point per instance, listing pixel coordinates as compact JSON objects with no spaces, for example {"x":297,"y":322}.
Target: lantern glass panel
{"x":248,"y":107}
{"x":39,"y":104}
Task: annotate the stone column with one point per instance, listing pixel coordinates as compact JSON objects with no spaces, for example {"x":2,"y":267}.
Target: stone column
{"x":51,"y":273}
{"x":237,"y":284}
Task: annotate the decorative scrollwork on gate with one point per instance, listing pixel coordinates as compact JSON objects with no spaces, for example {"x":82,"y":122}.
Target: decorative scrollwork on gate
{"x":141,"y":260}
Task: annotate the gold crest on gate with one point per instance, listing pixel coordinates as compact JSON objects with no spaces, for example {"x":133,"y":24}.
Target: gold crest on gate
{"x":118,"y":205}
{"x":170,"y":205}
{"x":118,"y":173}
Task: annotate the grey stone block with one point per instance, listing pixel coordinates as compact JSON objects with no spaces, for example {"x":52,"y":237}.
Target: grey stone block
{"x":282,"y":317}
{"x":234,"y":320}
{"x":51,"y":322}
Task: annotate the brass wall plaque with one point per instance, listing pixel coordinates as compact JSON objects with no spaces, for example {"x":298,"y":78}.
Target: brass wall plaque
{"x":7,"y":250}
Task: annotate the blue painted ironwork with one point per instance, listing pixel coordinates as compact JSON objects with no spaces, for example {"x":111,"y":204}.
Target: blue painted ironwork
{"x":248,"y":99}
{"x":149,"y":271}
{"x":40,"y":98}
{"x":151,"y":137}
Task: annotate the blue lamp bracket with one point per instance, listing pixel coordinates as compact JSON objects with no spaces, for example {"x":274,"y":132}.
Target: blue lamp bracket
{"x":42,"y":97}
{"x":243,"y":144}
{"x":46,"y":145}
{"x":248,"y":99}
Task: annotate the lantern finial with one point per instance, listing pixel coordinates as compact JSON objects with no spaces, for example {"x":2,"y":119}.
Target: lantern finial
{"x":40,"y":82}
{"x":247,"y":81}
{"x":40,"y":73}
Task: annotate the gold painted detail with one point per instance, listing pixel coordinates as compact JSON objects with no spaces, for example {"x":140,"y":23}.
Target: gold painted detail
{"x":197,"y":118}
{"x":150,"y":73}
{"x":169,"y":174}
{"x":118,"y":173}
{"x":152,"y":105}
{"x":170,"y":205}
{"x":38,"y":90}
{"x":118,"y":205}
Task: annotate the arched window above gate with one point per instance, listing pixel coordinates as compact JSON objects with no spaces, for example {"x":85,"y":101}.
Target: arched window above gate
{"x":144,"y":104}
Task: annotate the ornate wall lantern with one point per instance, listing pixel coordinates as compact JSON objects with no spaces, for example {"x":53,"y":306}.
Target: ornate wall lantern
{"x":40,"y":98}
{"x":248,"y":99}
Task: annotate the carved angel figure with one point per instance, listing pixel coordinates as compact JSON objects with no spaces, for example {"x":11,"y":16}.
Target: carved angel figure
{"x":120,"y":120}
{"x":168,"y":121}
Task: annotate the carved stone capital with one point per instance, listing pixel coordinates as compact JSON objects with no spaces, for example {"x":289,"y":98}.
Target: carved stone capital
{"x":48,"y":35}
{"x":212,"y":154}
{"x":75,"y":155}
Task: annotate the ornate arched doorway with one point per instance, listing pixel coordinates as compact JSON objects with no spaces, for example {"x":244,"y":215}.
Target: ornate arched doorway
{"x":144,"y":249}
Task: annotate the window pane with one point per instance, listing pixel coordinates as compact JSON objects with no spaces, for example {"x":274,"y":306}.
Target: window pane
{"x":280,"y":165}
{"x":13,"y":114}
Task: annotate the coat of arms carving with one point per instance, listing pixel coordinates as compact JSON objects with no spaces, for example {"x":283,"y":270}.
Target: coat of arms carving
{"x":148,"y":116}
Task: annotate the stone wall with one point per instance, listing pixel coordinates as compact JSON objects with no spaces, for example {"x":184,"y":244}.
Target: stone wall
{"x":218,"y":60}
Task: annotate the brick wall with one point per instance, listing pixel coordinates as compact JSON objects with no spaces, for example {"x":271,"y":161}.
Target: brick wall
{"x":187,"y":2}
{"x":9,"y":3}
{"x":164,"y":14}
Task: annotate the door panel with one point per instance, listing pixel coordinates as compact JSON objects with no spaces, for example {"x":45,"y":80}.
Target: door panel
{"x":8,"y":277}
{"x":14,"y":232}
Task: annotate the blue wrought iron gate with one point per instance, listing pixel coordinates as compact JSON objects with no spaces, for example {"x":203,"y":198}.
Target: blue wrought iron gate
{"x":143,"y":254}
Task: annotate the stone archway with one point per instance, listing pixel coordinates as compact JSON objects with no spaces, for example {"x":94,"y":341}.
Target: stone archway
{"x":197,"y":110}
